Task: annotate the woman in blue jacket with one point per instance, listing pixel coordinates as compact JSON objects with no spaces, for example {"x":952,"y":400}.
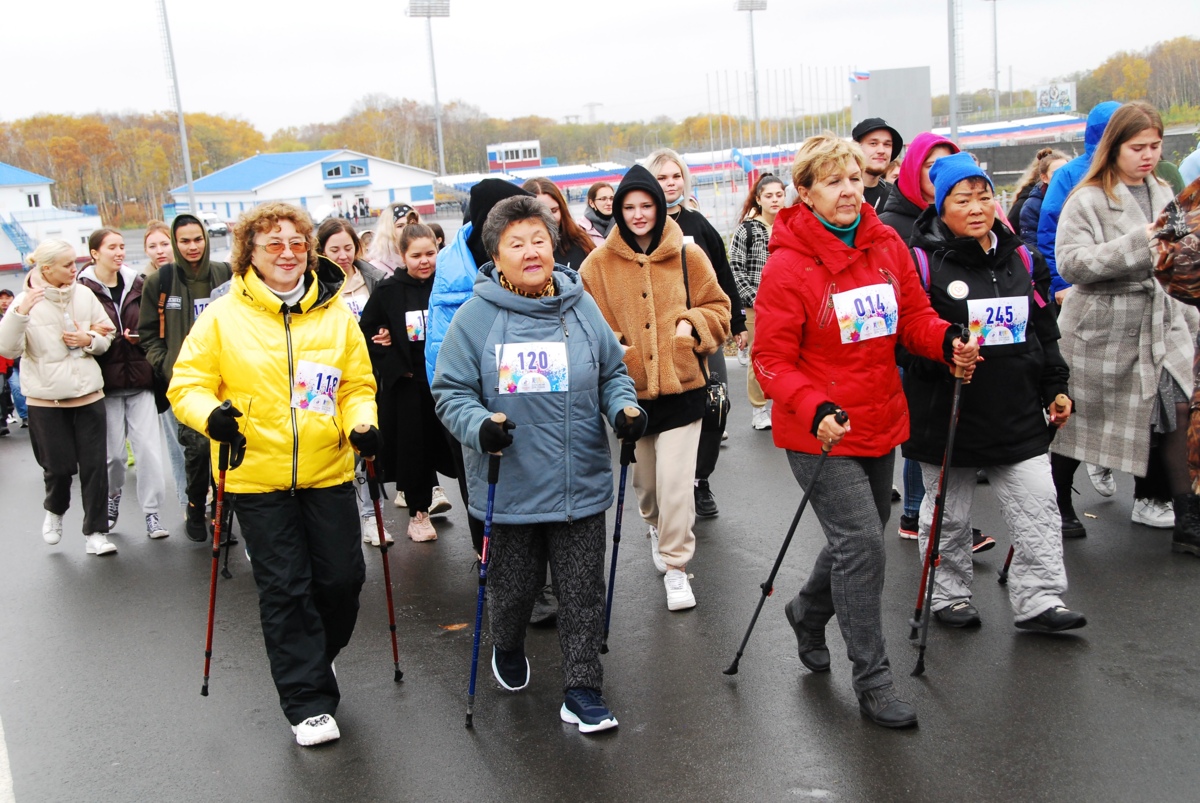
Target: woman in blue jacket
{"x":533,"y":345}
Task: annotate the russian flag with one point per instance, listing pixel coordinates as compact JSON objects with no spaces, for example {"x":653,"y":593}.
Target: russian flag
{"x":856,"y":77}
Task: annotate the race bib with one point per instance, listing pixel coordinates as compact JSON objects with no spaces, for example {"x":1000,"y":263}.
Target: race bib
{"x":355,"y":307}
{"x":866,"y":312}
{"x":532,"y":367}
{"x":316,"y":387}
{"x":198,"y":306}
{"x":414,"y":324}
{"x":999,"y":321}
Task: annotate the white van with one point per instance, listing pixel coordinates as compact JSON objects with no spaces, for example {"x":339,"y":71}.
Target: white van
{"x":213,"y":224}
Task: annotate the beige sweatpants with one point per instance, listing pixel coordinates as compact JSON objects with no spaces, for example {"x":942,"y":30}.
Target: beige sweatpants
{"x":663,"y":478}
{"x":753,"y":390}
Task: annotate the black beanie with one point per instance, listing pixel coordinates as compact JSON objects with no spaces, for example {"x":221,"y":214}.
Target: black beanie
{"x":639,"y":178}
{"x":485,"y":195}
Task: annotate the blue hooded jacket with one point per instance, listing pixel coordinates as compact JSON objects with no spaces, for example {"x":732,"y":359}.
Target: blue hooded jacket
{"x":558,"y":467}
{"x":1065,"y":179}
{"x":453,"y":281}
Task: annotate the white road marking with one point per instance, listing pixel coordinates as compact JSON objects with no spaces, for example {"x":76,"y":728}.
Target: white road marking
{"x":6,"y":787}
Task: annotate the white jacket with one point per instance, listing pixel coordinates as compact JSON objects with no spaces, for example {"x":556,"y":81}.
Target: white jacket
{"x":50,"y":372}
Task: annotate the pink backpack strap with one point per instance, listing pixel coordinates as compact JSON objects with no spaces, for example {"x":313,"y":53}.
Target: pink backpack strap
{"x":1027,"y":260}
{"x":922,"y":267}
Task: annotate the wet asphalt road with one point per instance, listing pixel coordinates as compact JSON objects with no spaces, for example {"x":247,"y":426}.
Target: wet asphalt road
{"x":101,"y":662}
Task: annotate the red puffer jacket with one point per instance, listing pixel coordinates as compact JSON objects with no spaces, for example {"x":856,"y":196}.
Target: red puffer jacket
{"x":799,"y":355}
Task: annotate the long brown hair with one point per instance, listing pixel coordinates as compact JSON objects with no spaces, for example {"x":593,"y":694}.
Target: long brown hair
{"x":1126,"y":123}
{"x":569,"y":231}
{"x":333,"y":225}
{"x":752,"y":208}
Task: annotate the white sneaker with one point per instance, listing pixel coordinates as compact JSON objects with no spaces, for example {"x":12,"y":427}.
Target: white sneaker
{"x":400,"y":500}
{"x":1102,"y":480}
{"x":725,"y":435}
{"x":761,"y":418}
{"x":420,"y":528}
{"x":99,"y":544}
{"x":316,"y":730}
{"x":1153,"y":514}
{"x":655,"y":555}
{"x":440,"y":505}
{"x":370,"y":531}
{"x":679,"y":591}
{"x":154,"y":528}
{"x":744,"y":356}
{"x":52,"y":528}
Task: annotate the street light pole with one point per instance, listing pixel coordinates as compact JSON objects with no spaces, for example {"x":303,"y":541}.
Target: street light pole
{"x":430,"y":9}
{"x":995,"y":54}
{"x":950,"y":16}
{"x":751,"y":6}
{"x":174,"y":86}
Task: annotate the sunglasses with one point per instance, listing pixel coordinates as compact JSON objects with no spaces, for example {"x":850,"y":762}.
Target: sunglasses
{"x":276,"y":247}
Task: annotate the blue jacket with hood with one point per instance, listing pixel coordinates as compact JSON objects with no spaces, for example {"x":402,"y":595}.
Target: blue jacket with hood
{"x":558,"y":467}
{"x":1065,"y":179}
{"x":452,"y":283}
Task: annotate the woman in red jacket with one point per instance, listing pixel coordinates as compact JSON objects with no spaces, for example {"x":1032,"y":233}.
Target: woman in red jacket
{"x":838,"y":292}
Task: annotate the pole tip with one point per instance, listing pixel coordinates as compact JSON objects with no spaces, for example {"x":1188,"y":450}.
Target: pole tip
{"x":469,"y":723}
{"x":604,"y":649}
{"x":732,"y":669}
{"x":399,"y":676}
{"x":204,"y":690}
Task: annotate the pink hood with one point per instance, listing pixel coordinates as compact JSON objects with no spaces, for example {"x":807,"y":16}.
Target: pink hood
{"x":909,"y":182}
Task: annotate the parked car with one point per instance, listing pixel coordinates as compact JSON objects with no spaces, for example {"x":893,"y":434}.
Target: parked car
{"x":213,"y":224}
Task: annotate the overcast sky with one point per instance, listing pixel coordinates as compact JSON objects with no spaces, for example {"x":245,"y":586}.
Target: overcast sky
{"x":305,"y":61}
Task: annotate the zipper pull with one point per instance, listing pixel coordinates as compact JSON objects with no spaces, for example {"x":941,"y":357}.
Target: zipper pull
{"x":563,"y":319}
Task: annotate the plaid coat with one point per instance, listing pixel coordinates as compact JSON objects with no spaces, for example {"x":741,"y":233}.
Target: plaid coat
{"x":1120,"y":330}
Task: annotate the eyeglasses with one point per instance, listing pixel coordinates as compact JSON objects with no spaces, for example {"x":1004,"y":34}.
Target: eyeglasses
{"x":603,"y":200}
{"x":275,"y":247}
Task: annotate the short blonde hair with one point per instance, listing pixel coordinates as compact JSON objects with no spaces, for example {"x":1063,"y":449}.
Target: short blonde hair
{"x":670,"y":155}
{"x":822,"y":154}
{"x":48,"y":252}
{"x":263,"y":220}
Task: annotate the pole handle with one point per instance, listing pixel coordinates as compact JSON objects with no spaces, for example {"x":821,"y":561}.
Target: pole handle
{"x":628,"y":447}
{"x":223,"y":456}
{"x":841,"y":417}
{"x":964,"y":335}
{"x":1060,"y":403}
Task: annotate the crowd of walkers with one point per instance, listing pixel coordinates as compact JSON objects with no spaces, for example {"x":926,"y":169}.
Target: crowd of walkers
{"x":988,"y":344}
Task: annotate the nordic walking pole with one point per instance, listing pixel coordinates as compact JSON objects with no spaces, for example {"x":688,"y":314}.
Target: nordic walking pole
{"x":932,"y":555}
{"x":1058,"y":408}
{"x":223,"y":464}
{"x":227,"y":528}
{"x":373,"y":487}
{"x":768,"y":587}
{"x":493,"y":477}
{"x":627,"y":450}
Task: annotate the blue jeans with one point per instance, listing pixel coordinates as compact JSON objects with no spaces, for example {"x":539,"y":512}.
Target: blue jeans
{"x":14,"y":385}
{"x":914,"y":488}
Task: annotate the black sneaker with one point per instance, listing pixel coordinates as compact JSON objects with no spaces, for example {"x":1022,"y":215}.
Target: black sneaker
{"x":960,"y":614}
{"x":194,"y":524}
{"x":883,"y":707}
{"x":114,"y":508}
{"x":1186,"y":536}
{"x":908,"y":527}
{"x":511,"y":668}
{"x":981,"y":542}
{"x":706,"y":505}
{"x":1072,"y":527}
{"x":895,"y":494}
{"x":545,"y":608}
{"x":810,"y":641}
{"x":1054,"y":620}
{"x":981,"y":477}
{"x":587,"y":709}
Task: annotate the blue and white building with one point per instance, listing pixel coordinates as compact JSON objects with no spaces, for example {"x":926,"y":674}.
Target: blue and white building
{"x":28,"y":216}
{"x":323,"y":182}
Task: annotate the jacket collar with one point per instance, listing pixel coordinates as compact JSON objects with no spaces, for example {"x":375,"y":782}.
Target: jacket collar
{"x":323,"y":287}
{"x":797,"y":228}
{"x":568,"y":289}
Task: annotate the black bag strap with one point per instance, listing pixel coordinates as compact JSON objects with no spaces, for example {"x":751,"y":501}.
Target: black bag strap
{"x":687,"y":292}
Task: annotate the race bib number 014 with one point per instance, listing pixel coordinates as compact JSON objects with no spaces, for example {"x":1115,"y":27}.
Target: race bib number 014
{"x":316,"y":387}
{"x":999,"y":321}
{"x":532,"y":367}
{"x":866,"y":312}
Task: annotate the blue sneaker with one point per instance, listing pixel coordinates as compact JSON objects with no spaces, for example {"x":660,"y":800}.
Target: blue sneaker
{"x":587,"y":709}
{"x":511,"y":668}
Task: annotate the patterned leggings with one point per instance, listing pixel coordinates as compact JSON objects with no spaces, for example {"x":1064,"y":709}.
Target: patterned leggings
{"x":516,"y":572}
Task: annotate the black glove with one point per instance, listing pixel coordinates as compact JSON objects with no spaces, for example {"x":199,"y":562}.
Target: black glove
{"x":222,"y":425}
{"x":630,"y":429}
{"x":367,"y":443}
{"x":494,"y":437}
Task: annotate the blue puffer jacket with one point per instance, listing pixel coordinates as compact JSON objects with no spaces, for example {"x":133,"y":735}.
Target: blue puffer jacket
{"x":558,"y":467}
{"x":1065,"y":179}
{"x":452,"y":283}
{"x":1030,"y":215}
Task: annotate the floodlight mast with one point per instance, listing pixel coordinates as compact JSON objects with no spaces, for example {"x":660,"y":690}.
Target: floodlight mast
{"x":169,"y":52}
{"x":430,"y":9}
{"x":751,"y":6}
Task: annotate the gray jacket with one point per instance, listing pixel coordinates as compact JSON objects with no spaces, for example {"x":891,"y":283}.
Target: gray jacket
{"x":558,"y":467}
{"x":1120,"y":330}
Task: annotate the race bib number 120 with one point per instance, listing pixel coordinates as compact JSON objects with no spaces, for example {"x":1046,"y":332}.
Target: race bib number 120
{"x":866,"y":312}
{"x":532,"y":367}
{"x":315,"y":389}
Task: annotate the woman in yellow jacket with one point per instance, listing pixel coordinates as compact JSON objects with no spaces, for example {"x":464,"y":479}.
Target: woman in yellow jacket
{"x":285,"y":349}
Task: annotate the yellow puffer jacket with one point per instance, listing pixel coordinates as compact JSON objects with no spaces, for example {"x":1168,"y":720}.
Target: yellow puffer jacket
{"x":276,"y":368}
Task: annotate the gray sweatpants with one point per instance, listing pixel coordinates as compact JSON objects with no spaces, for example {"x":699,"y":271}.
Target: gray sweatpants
{"x":852,"y":499}
{"x":1037,"y":578}
{"x":517,"y":572}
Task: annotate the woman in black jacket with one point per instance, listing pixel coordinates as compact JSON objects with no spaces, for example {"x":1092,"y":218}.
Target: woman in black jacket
{"x":676,"y":181}
{"x":415,"y":446}
{"x":977,"y":272}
